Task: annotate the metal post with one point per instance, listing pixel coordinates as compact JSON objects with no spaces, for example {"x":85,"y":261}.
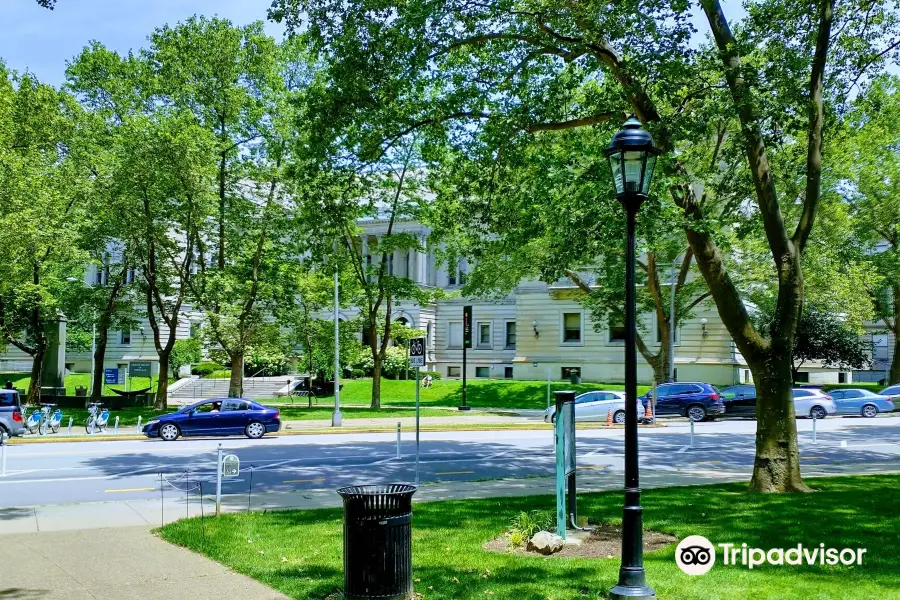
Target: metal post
{"x":336,"y":417}
{"x":560,"y":439}
{"x":139,"y":424}
{"x":632,"y":578}
{"x":93,"y":351}
{"x":93,"y":419}
{"x":3,"y":437}
{"x":692,"y":433}
{"x":162,"y":502}
{"x":219,"y":480}
{"x":417,"y":425}
{"x":116,"y":426}
{"x":398,"y":440}
{"x":653,"y":403}
{"x":464,"y":405}
{"x":70,"y":426}
{"x":815,"y":441}
{"x":548,"y":389}
{"x":671,"y":329}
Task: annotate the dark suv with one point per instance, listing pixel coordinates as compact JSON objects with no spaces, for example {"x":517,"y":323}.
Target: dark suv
{"x":697,"y":401}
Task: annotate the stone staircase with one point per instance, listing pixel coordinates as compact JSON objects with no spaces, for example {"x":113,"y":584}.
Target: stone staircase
{"x":256,"y":388}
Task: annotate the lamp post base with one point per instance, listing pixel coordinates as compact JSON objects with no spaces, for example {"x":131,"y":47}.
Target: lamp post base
{"x":336,"y":418}
{"x":465,"y":408}
{"x":630,"y":592}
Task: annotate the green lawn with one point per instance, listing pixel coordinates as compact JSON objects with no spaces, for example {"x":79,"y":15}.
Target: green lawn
{"x":74,"y":380}
{"x":483,"y":393}
{"x":299,"y":413}
{"x":299,"y":552}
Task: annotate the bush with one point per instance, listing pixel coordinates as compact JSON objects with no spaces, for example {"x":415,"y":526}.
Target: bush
{"x":357,"y":373}
{"x":434,"y":374}
{"x":185,"y":352}
{"x":526,"y":524}
{"x":205,"y":369}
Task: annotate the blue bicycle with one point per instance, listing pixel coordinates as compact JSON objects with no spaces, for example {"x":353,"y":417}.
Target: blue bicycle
{"x":97,"y":419}
{"x":43,"y":421}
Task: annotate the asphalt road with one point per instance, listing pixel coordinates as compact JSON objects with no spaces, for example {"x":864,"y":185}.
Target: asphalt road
{"x":63,"y":473}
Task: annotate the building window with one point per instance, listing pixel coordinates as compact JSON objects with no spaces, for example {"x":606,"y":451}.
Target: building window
{"x":616,"y":332}
{"x":364,"y":338}
{"x":510,"y":334}
{"x":484,"y":335}
{"x":462,"y":273}
{"x":802,"y":377}
{"x":453,"y":371}
{"x":659,"y":335}
{"x":746,"y":375}
{"x":455,"y":334}
{"x":451,"y":278}
{"x":195,"y":330}
{"x":129,"y":275}
{"x":842,"y":378}
{"x":125,"y":337}
{"x":507,"y":372}
{"x":484,"y":372}
{"x":568,"y":372}
{"x":571,"y":328}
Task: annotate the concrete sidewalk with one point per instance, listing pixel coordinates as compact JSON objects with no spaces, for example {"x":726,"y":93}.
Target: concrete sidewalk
{"x":115,"y":564}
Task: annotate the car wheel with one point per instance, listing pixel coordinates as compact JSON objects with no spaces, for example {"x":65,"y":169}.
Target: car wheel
{"x":619,"y":417}
{"x":553,"y":418}
{"x":255,"y":430}
{"x":169,"y":432}
{"x":696,"y":413}
{"x":817,"y":412}
{"x":869,"y":411}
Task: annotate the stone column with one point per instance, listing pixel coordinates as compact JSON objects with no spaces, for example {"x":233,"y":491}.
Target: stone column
{"x":53,"y":369}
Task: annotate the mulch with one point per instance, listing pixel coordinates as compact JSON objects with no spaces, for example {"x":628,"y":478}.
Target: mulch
{"x":604,"y":542}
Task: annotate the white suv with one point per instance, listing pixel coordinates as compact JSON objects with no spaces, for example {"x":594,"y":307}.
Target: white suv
{"x":813,"y":403}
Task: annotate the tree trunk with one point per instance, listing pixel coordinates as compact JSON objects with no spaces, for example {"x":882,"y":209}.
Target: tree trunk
{"x":236,"y":383}
{"x":776,"y":467}
{"x":162,"y":389}
{"x":99,"y":358}
{"x":376,"y":382}
{"x":34,"y":386}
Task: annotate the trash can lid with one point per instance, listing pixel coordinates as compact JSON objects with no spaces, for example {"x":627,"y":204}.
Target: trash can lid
{"x":390,"y":489}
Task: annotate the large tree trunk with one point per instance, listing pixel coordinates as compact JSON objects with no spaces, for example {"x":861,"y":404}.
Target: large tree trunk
{"x":236,"y":383}
{"x":162,"y":389}
{"x":34,"y":386}
{"x":777,"y":464}
{"x":99,"y":358}
{"x":376,"y":381}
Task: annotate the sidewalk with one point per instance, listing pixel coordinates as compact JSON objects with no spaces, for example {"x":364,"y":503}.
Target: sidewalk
{"x":115,"y":564}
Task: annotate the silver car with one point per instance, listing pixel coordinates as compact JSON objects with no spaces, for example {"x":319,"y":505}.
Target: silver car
{"x":856,"y":401}
{"x":813,"y":403}
{"x":11,"y":421}
{"x":595,"y":406}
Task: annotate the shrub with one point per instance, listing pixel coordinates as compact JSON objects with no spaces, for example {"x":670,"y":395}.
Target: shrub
{"x":434,"y":374}
{"x":526,"y":524}
{"x":516,"y":540}
{"x":357,"y":373}
{"x":185,"y":352}
{"x":205,"y":369}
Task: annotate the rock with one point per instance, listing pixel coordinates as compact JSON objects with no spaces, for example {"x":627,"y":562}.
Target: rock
{"x":545,"y":543}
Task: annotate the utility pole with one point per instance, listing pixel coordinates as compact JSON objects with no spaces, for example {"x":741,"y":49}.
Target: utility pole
{"x":672,"y":325}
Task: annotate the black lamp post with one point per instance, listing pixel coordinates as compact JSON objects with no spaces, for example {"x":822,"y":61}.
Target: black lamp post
{"x":632,"y":157}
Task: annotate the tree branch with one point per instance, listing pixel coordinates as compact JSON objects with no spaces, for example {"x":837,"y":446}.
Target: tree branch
{"x":573,"y":123}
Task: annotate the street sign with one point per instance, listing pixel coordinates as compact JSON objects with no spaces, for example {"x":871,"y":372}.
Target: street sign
{"x":110,"y":376}
{"x":467,"y":326}
{"x":417,"y":352}
{"x":231,"y":465}
{"x":139,"y":369}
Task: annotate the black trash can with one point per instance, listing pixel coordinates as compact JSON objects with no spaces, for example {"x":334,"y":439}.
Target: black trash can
{"x":378,"y":541}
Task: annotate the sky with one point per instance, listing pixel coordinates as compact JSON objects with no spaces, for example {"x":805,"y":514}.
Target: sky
{"x":41,"y":41}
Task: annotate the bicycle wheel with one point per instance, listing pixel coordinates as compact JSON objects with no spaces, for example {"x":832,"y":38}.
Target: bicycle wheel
{"x":87,"y":425}
{"x":42,"y":427}
{"x":55,"y":428}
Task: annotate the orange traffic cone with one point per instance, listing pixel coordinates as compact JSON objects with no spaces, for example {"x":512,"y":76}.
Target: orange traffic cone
{"x":648,"y":414}
{"x":609,"y":418}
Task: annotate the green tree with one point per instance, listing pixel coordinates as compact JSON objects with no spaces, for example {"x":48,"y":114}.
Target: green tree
{"x":184,"y":353}
{"x":481,"y":76}
{"x":402,"y":335}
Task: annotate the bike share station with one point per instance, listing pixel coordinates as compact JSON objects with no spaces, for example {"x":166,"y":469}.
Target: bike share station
{"x":566,"y":485}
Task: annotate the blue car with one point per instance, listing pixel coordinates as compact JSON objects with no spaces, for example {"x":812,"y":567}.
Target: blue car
{"x":694,"y":400}
{"x":217,"y":416}
{"x":861,"y":402}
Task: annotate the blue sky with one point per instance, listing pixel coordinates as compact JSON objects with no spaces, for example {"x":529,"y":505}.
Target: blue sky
{"x":42,"y":41}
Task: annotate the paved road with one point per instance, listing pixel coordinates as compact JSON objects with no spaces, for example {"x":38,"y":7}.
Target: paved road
{"x":60,"y":473}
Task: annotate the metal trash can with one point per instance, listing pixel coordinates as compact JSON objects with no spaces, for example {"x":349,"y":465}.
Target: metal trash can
{"x":378,"y":541}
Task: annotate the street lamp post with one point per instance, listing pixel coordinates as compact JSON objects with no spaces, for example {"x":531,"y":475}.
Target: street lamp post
{"x":632,"y":158}
{"x":336,"y":417}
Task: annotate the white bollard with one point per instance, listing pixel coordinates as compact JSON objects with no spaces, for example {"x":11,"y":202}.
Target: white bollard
{"x":692,"y":434}
{"x":116,"y":426}
{"x":398,"y":441}
{"x":139,"y":424}
{"x":3,"y":438}
{"x":219,"y":480}
{"x":70,"y":425}
{"x":815,"y":441}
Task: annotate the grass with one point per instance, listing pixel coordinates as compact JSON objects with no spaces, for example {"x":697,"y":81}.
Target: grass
{"x":480,"y":393}
{"x":299,"y":413}
{"x":300,"y":552}
{"x":74,"y":380}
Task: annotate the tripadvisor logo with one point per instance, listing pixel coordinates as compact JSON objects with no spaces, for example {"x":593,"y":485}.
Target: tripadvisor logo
{"x":696,"y":555}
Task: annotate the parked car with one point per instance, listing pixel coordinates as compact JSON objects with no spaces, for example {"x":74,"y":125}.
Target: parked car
{"x":893,"y":392}
{"x":695,"y":400}
{"x":11,"y":420}
{"x":594,"y":406}
{"x":813,"y":402}
{"x":217,"y":416}
{"x":740,"y":400}
{"x":855,"y":401}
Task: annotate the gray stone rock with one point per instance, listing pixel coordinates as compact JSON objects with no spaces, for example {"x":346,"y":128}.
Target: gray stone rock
{"x":545,"y":543}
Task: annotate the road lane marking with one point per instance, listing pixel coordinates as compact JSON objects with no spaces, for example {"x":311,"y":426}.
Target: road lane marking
{"x":314,"y":479}
{"x":707,"y":462}
{"x":456,"y":473}
{"x":144,"y":489}
{"x":587,"y":467}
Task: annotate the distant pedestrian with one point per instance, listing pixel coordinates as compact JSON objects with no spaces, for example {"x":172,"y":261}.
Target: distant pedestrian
{"x":427,"y":381}
{"x":9,"y":385}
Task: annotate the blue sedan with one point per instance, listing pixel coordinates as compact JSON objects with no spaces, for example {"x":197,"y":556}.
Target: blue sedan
{"x":861,"y":402}
{"x":217,"y":416}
